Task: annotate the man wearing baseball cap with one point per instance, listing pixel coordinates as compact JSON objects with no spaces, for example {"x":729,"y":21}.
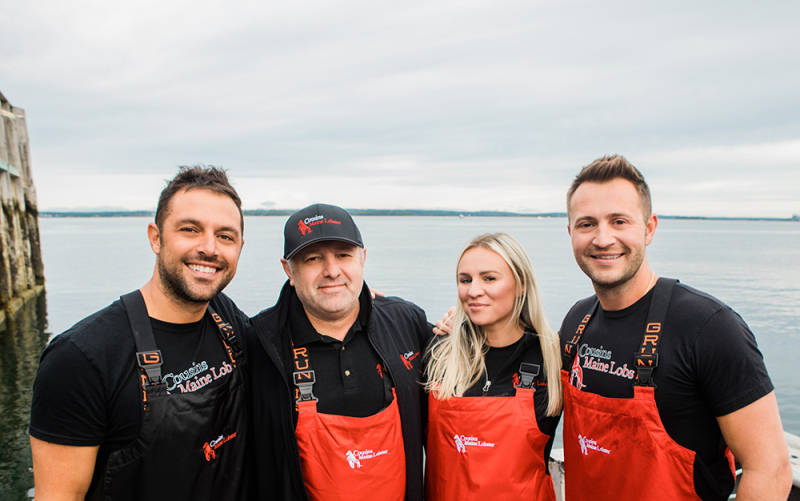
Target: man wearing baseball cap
{"x":337,"y":404}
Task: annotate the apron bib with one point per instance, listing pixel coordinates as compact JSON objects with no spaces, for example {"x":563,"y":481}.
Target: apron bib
{"x":191,"y":445}
{"x":617,"y":448}
{"x":344,"y":457}
{"x":483,"y":448}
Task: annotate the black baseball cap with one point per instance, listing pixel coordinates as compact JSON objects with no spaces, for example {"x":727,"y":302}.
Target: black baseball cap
{"x":316,"y":223}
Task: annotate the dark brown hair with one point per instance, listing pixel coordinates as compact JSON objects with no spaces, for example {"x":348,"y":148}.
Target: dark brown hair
{"x":607,"y":169}
{"x":197,"y":176}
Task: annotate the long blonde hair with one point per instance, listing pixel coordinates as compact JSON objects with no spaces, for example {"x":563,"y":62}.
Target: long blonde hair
{"x":457,"y":363}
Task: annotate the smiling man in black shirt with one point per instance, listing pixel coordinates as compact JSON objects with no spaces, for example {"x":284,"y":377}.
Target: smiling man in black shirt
{"x":145,"y":399}
{"x":661,"y":381}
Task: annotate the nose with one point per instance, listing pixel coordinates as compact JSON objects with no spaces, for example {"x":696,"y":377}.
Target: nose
{"x":603,"y":236}
{"x":331,"y":269}
{"x":475,"y":289}
{"x":207,"y":244}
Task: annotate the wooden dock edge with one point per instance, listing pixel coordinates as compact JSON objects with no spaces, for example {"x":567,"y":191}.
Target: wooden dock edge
{"x":15,"y":303}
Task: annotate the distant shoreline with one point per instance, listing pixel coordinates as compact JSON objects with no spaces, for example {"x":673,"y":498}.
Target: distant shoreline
{"x":406,"y":212}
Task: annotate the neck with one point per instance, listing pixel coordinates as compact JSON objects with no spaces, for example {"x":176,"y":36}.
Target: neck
{"x":165,"y":307}
{"x":336,"y":328}
{"x":503,"y":337}
{"x":624,"y":295}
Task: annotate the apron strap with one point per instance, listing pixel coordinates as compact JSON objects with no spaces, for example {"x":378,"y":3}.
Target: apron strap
{"x":147,"y":353}
{"x":148,"y":356}
{"x":227,"y":335}
{"x":646,"y":360}
{"x":304,"y":377}
{"x":571,"y":346}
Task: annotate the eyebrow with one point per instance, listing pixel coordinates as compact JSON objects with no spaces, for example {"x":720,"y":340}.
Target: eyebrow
{"x":198,"y":223}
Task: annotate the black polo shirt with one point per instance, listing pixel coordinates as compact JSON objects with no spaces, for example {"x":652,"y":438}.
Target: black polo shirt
{"x":350,"y":372}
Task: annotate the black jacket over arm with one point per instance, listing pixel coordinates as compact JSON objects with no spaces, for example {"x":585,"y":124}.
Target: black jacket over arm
{"x":398,"y":331}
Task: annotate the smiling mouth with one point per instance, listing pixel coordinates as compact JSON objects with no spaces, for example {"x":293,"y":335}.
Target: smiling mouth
{"x":202,"y":269}
{"x":608,"y":258}
{"x":331,"y":286}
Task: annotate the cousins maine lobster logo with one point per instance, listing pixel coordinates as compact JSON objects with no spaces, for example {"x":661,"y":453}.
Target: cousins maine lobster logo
{"x":210,"y":448}
{"x":303,"y":227}
{"x":408,"y":357}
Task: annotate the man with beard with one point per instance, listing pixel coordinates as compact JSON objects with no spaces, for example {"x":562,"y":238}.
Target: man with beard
{"x":661,"y":381}
{"x":145,"y":398}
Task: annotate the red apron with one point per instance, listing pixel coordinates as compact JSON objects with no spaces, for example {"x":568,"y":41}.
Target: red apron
{"x":344,"y":457}
{"x":483,"y":448}
{"x":617,"y":448}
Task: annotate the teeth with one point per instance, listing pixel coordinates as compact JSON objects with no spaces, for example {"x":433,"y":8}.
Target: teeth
{"x":202,"y":269}
{"x":608,"y":257}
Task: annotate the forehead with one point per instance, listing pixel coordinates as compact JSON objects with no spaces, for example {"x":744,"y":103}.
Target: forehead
{"x":597,"y":200}
{"x":481,"y":259}
{"x":327,"y":246}
{"x":204,"y":206}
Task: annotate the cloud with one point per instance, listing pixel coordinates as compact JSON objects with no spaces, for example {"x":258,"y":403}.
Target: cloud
{"x":429,"y":102}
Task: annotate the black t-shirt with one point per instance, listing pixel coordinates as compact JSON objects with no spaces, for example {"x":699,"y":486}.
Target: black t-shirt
{"x":708,"y":366}
{"x":502,"y":367}
{"x":349,"y":373}
{"x":87,"y":390}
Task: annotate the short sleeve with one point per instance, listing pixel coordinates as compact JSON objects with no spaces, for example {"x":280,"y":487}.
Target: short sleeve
{"x":729,"y":366}
{"x":68,"y":405}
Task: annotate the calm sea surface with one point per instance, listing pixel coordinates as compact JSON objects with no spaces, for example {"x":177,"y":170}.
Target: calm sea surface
{"x":752,"y":266}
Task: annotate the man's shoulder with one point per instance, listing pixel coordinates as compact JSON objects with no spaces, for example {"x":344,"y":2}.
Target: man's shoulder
{"x":103,"y":326}
{"x":577,"y":312}
{"x":694,"y":305}
{"x":272,"y":316}
{"x":582,"y":306}
{"x":401,"y":319}
{"x":392,"y":305}
{"x":103,"y":339}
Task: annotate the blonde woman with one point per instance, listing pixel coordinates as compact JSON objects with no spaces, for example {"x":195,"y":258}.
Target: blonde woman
{"x":493,"y":383}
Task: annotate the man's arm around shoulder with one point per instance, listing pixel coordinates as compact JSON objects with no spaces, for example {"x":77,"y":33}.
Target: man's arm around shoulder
{"x":755,"y":436}
{"x":62,"y":472}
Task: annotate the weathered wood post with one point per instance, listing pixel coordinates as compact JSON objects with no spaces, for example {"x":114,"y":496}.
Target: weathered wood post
{"x":21,"y":268}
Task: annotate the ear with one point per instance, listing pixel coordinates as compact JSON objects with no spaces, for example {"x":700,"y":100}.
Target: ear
{"x":288,"y":270}
{"x":652,"y":223}
{"x":569,"y":229}
{"x":364,"y":257}
{"x":154,"y":236}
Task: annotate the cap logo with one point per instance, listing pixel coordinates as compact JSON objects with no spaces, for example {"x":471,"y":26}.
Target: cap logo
{"x":303,"y":227}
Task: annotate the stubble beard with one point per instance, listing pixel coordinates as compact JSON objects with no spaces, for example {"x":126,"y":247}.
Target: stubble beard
{"x":326,"y":307}
{"x":177,"y":288}
{"x":617,"y":282}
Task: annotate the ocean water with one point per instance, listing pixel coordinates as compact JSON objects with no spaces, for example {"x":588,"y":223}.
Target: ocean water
{"x":751,"y":265}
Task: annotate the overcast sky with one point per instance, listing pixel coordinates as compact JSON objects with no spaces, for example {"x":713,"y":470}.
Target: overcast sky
{"x":463,"y":105}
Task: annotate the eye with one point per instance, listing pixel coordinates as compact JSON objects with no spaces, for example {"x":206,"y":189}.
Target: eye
{"x":188,"y":229}
{"x":464,"y":280}
{"x":489,"y":278}
{"x":227,"y":237}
